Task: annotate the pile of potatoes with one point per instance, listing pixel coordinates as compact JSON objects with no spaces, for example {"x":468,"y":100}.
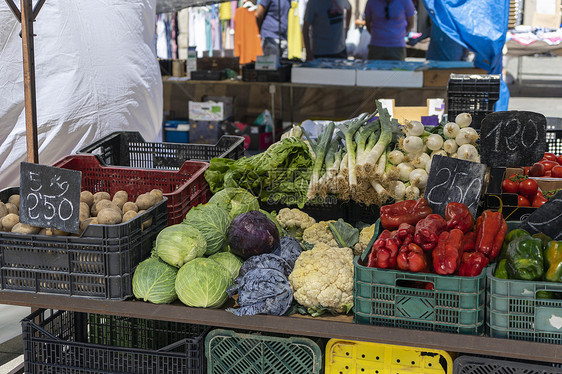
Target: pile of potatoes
{"x":96,"y":208}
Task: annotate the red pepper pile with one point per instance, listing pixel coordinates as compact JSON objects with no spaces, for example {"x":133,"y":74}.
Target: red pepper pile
{"x":421,"y":241}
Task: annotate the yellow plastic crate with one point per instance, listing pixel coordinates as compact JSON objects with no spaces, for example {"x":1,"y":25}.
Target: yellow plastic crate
{"x":353,"y":357}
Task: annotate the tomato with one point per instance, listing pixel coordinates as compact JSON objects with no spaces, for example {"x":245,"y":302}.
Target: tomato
{"x":556,"y":171}
{"x":538,"y":201}
{"x":548,"y":173}
{"x":548,"y":164}
{"x":509,"y":186}
{"x":526,"y":169}
{"x":559,"y":159}
{"x":522,"y":201}
{"x":528,"y":187}
{"x":537,"y":170}
{"x":549,"y":156}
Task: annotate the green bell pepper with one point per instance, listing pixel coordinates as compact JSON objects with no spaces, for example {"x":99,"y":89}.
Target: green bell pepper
{"x":501,"y":271}
{"x":524,"y":259}
{"x":511,"y":236}
{"x":543,"y":237}
{"x":545,"y":295}
{"x":553,"y":262}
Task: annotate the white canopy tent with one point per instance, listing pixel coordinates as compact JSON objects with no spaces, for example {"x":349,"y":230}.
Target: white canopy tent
{"x":96,"y":73}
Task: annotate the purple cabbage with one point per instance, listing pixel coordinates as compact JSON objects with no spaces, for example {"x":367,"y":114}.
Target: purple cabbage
{"x":252,"y":234}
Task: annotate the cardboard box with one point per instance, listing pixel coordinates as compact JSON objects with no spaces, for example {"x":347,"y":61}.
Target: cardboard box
{"x":176,"y":131}
{"x":429,"y":115}
{"x":542,"y":13}
{"x":205,"y":132}
{"x":209,"y":111}
{"x":334,"y":77}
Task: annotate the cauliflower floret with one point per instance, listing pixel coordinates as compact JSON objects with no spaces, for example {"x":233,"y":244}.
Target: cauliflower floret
{"x":323,"y":277}
{"x":364,"y":238}
{"x":294,"y":221}
{"x":320,"y":233}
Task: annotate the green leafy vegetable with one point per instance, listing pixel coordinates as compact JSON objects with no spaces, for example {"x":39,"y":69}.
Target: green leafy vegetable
{"x":236,"y":201}
{"x":345,"y":234}
{"x":179,"y":244}
{"x":212,"y":221}
{"x":154,"y":281}
{"x":231,"y":262}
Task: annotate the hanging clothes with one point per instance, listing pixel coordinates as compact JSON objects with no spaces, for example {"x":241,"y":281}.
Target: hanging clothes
{"x":225,"y":11}
{"x":247,"y":41}
{"x":294,"y":33}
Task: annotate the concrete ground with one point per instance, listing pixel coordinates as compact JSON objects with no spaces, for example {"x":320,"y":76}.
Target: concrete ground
{"x":536,"y":92}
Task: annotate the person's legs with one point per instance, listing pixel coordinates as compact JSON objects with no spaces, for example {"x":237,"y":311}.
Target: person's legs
{"x":270,"y":47}
{"x":342,"y":54}
{"x":387,"y":53}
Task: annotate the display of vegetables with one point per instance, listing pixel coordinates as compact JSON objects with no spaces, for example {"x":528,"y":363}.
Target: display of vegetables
{"x":417,"y":240}
{"x":529,"y":193}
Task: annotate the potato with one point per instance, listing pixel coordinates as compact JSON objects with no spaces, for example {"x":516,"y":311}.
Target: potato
{"x":12,"y":208}
{"x":157,"y":194}
{"x":22,"y":228}
{"x":14,"y":199}
{"x":145,"y":201}
{"x":4,"y":210}
{"x":120,"y":198}
{"x":87,"y":197}
{"x":57,"y":232}
{"x":101,"y":196}
{"x":129,"y":215}
{"x":109,"y":216}
{"x":43,"y":232}
{"x":86,"y":222}
{"x":102,"y":204}
{"x":129,"y":205}
{"x":84,"y":211}
{"x":10,"y":221}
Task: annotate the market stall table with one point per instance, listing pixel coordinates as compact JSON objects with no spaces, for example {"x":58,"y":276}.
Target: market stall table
{"x":340,"y":327}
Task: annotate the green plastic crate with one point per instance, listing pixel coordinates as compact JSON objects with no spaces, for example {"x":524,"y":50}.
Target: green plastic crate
{"x":515,"y":312}
{"x":389,"y":298}
{"x":229,"y":352}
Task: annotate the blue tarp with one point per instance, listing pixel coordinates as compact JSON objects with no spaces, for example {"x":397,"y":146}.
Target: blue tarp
{"x":480,"y":26}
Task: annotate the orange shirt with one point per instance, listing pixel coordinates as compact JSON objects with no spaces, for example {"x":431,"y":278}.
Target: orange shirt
{"x":247,"y":42}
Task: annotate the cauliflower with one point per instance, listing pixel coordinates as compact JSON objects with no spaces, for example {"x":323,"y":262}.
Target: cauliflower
{"x":364,"y":238}
{"x":320,"y":233}
{"x":323,"y":278}
{"x":294,"y":221}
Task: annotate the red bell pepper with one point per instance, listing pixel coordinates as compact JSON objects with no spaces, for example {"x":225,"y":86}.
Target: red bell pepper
{"x":458,"y":217}
{"x":412,"y":258}
{"x":447,"y":255}
{"x":384,"y":251}
{"x":472,"y":264}
{"x":469,"y":241}
{"x":428,"y":231}
{"x":405,"y":230}
{"x":407,"y":211}
{"x":490,"y":233}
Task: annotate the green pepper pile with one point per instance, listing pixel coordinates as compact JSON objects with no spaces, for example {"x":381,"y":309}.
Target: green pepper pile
{"x":531,"y":257}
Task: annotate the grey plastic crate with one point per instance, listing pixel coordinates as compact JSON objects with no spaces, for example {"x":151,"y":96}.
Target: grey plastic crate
{"x":483,"y":365}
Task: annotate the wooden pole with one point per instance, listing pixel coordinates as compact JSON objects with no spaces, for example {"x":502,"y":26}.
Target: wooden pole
{"x":29,"y":80}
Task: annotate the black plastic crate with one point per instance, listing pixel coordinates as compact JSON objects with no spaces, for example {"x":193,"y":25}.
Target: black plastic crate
{"x":128,"y":148}
{"x":472,"y":93}
{"x":64,"y":342}
{"x":98,"y":264}
{"x":485,"y":365}
{"x":208,"y":75}
{"x":250,"y":74}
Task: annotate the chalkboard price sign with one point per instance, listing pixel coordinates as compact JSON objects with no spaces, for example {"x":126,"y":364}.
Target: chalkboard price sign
{"x":50,"y":197}
{"x":512,"y":138}
{"x":451,"y":179}
{"x":546,"y":219}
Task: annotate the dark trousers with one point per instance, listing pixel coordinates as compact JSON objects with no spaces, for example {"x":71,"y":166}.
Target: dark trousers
{"x":387,"y":53}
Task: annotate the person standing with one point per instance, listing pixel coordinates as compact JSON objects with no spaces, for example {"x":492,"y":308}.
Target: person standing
{"x":389,"y":22}
{"x":272,"y":17}
{"x":325,"y":27}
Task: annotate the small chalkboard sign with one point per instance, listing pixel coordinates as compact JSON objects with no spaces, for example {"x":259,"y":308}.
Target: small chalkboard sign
{"x":50,"y":197}
{"x":546,"y":219}
{"x":451,"y":179}
{"x":512,"y":138}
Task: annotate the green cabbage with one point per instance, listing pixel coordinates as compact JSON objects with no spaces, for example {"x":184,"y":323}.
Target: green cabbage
{"x":202,"y":283}
{"x":236,"y":201}
{"x":154,"y":281}
{"x":179,"y":244}
{"x":212,"y":221}
{"x":229,"y":261}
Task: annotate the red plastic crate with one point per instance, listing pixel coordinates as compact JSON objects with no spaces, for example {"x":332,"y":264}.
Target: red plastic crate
{"x":184,"y":188}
